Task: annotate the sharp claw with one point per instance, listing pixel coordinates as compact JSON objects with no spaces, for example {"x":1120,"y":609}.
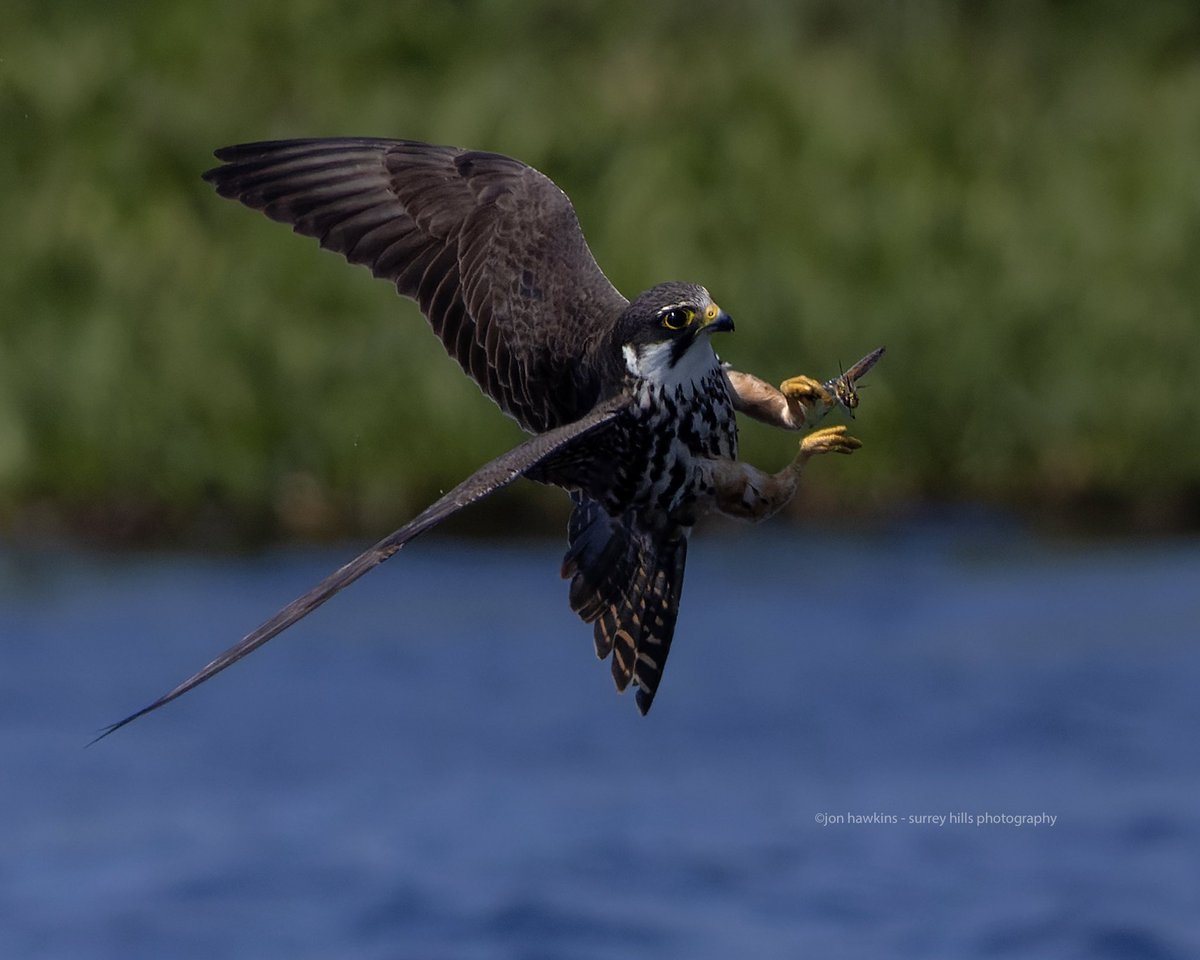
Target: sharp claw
{"x":806,"y":389}
{"x":829,"y":440}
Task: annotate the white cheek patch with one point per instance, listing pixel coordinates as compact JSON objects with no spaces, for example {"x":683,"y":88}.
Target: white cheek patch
{"x":653,"y":363}
{"x":631,"y":359}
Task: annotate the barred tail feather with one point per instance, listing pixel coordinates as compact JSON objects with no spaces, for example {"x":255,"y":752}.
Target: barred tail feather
{"x":600,"y":561}
{"x":628,"y":583}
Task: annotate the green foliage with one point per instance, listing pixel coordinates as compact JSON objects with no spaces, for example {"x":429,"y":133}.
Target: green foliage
{"x":1007,"y":195}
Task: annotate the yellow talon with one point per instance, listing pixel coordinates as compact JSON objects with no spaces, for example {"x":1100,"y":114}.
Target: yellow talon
{"x":829,"y":440}
{"x":806,"y":390}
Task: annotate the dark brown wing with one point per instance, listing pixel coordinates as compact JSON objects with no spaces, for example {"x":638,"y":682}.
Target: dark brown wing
{"x":489,"y":248}
{"x":528,"y":457}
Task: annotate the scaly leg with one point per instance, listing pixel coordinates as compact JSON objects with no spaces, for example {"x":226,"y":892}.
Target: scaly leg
{"x":745,"y":492}
{"x":807,"y":399}
{"x":798,"y":404}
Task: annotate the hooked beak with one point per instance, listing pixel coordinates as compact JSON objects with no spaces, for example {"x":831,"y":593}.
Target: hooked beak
{"x":718,"y":322}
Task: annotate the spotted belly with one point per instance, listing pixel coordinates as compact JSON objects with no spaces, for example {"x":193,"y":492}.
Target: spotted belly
{"x":679,"y":428}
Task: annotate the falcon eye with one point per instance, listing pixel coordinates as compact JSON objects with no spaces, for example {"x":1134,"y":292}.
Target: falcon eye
{"x":678,"y":317}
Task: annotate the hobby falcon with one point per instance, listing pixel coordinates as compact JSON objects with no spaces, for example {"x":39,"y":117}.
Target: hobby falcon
{"x":629,"y":408}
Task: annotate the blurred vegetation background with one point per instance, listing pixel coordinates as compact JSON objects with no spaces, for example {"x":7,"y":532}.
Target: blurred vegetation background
{"x":1005,"y":194}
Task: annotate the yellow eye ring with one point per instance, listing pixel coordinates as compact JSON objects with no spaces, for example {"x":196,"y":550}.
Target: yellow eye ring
{"x":678,"y":317}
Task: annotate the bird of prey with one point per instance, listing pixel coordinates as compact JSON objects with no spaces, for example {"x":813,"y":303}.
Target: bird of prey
{"x":628,"y":406}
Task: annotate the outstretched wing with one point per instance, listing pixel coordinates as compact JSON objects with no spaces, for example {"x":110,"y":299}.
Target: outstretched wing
{"x":489,"y":248}
{"x":535,"y":454}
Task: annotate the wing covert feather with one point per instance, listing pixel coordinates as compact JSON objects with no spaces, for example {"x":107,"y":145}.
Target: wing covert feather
{"x":489,"y":248}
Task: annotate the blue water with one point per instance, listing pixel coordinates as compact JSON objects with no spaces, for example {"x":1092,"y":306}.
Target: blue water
{"x":435,"y":765}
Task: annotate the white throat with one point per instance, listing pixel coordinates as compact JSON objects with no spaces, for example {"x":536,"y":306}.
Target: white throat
{"x":653,"y":363}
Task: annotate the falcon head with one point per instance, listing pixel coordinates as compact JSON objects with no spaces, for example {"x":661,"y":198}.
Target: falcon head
{"x":664,"y":332}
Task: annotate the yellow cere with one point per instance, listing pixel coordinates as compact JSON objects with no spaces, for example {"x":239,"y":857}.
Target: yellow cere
{"x":710,"y":312}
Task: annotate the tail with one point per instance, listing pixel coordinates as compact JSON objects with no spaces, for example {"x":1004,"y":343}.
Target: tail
{"x":627,"y":582}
